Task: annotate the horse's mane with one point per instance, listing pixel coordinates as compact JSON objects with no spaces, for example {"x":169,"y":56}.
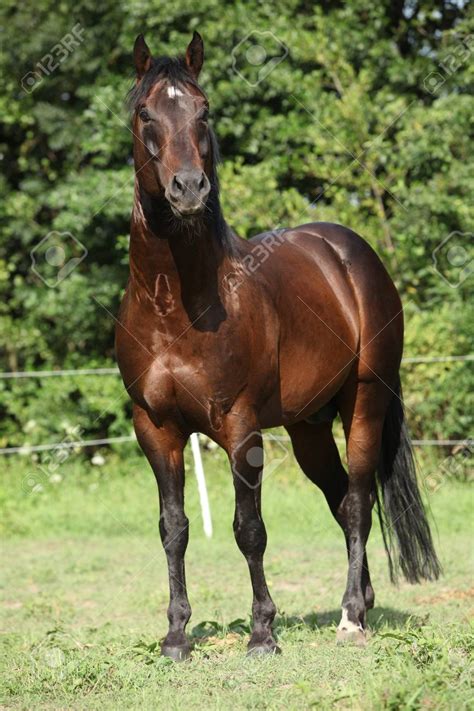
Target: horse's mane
{"x":175,"y":70}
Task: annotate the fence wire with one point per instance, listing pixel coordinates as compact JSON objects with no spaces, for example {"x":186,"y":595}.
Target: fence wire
{"x":30,"y":449}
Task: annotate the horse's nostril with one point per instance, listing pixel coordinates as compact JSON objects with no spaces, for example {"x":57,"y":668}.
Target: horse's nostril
{"x":177,"y":184}
{"x":202,"y":183}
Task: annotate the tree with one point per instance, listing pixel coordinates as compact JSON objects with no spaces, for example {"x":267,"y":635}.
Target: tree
{"x":364,"y":119}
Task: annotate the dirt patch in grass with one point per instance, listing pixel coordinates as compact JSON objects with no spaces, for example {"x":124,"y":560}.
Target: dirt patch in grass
{"x":446,"y":596}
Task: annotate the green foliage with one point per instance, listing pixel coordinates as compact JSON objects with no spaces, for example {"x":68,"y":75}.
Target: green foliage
{"x":439,"y":396}
{"x":346,"y":128}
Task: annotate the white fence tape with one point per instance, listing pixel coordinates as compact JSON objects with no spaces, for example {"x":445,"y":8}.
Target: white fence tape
{"x":195,"y":447}
{"x":115,"y":371}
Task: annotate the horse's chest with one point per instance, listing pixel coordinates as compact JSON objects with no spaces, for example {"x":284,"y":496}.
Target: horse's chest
{"x":198,"y":381}
{"x":157,"y":389}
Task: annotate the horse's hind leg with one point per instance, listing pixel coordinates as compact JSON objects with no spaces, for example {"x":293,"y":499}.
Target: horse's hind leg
{"x":362,"y":408}
{"x":318,"y":456}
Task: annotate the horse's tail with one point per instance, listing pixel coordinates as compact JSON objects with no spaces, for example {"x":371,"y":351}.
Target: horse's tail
{"x":405,"y":529}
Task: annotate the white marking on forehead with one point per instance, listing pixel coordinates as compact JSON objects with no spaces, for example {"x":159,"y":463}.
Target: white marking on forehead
{"x":173,"y":92}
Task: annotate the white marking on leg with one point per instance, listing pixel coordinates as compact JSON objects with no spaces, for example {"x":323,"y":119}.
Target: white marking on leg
{"x":346,"y":624}
{"x":173,"y":92}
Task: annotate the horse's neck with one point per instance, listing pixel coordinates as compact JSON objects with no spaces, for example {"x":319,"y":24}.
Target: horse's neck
{"x":162,"y":255}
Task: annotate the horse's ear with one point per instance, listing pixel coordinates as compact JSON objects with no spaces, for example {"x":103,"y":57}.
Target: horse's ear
{"x":141,"y":56}
{"x":195,"y":55}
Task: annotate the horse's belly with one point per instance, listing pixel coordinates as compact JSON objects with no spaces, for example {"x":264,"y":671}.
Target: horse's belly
{"x":304,"y":388}
{"x":317,"y":350}
{"x":304,"y":393}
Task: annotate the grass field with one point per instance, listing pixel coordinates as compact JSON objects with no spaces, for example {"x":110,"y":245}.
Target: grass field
{"x":85,"y":595}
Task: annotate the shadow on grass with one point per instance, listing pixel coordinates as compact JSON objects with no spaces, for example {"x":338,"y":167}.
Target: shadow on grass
{"x":378,"y":618}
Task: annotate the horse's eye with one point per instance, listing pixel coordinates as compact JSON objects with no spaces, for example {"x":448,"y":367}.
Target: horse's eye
{"x":204,"y":116}
{"x":145,"y":116}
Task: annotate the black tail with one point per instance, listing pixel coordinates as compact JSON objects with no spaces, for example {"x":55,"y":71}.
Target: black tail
{"x":401,"y":512}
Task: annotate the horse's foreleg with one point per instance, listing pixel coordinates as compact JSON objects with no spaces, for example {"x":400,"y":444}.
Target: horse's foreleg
{"x":163,"y":447}
{"x":246,"y":456}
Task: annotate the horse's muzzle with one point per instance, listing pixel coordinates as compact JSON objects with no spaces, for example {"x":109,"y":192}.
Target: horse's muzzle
{"x":187,"y":192}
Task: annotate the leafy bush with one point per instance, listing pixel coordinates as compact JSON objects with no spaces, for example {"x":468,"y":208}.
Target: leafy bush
{"x":346,"y":128}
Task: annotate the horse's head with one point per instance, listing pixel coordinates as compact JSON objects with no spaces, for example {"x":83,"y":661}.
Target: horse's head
{"x":173,"y":147}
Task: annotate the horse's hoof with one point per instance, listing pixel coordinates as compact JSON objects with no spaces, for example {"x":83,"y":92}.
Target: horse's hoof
{"x":259,"y":650}
{"x":353,"y":636}
{"x":177,"y":654}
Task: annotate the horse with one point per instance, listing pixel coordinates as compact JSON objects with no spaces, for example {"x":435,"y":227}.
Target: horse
{"x":229,"y":337}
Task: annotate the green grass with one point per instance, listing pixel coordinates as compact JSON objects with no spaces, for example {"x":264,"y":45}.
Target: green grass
{"x":85,"y":595}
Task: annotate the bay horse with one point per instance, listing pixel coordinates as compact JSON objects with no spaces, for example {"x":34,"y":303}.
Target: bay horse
{"x":228,"y":337}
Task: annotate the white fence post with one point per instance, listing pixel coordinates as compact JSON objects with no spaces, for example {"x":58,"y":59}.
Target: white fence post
{"x":201,"y":482}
